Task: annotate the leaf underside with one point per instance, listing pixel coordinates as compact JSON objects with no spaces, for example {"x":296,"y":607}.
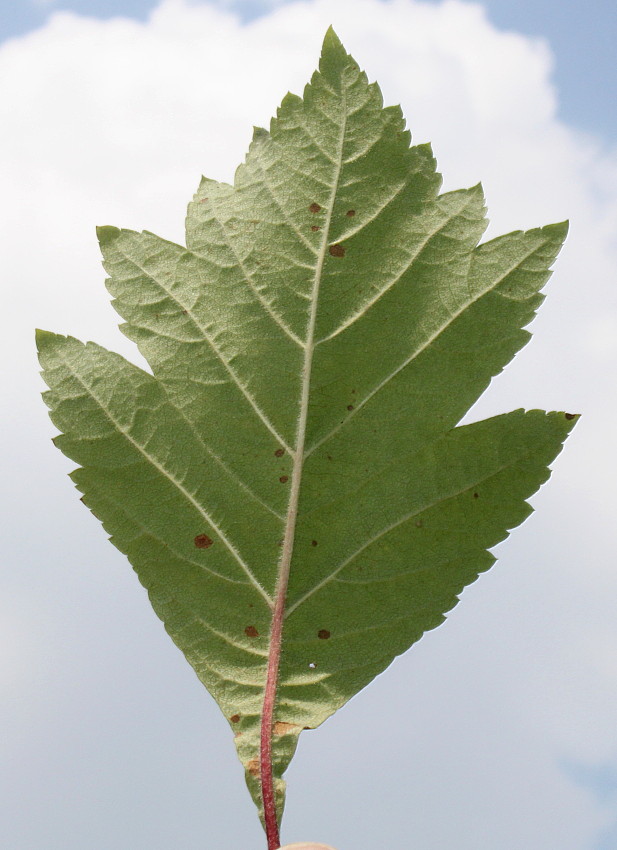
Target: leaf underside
{"x":312,"y":350}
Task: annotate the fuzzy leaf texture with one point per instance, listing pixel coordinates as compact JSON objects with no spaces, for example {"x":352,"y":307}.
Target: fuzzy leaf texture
{"x":296,"y":448}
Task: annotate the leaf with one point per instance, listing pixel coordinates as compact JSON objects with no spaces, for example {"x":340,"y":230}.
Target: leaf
{"x":290,"y":483}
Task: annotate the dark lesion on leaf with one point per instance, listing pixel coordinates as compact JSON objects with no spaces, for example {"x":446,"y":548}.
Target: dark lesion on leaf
{"x":284,"y":479}
{"x":323,"y":634}
{"x":234,"y":718}
{"x":251,"y":631}
{"x":202,"y":541}
{"x":315,"y":207}
{"x":336,"y":250}
{"x":570,"y":415}
{"x":279,"y":453}
{"x":350,"y":213}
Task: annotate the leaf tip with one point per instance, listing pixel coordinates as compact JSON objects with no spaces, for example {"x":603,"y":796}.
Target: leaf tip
{"x":331,"y":39}
{"x":40,"y":336}
{"x":259,"y":134}
{"x":44,"y":339}
{"x":332,"y":48}
{"x":557,"y":231}
{"x":106,"y":234}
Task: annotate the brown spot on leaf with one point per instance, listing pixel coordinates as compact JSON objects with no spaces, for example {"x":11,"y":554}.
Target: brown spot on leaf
{"x":314,"y":207}
{"x":476,"y":495}
{"x":282,"y":728}
{"x":284,"y":479}
{"x":185,"y":312}
{"x":234,"y":718}
{"x":202,"y":541}
{"x":350,"y":407}
{"x":337,"y":250}
{"x":279,"y":452}
{"x":253,"y":767}
{"x":315,"y":228}
{"x":570,"y":415}
{"x":251,"y":631}
{"x":313,"y":543}
{"x":350,"y":213}
{"x":323,"y":634}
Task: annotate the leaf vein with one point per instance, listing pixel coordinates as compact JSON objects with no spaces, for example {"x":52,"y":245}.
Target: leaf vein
{"x":412,"y":515}
{"x":268,"y":187}
{"x":218,"y":353}
{"x":417,"y":352}
{"x":249,"y":280}
{"x":188,"y":496}
{"x":416,"y":255}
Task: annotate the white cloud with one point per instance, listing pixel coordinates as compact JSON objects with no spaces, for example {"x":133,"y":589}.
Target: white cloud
{"x":112,"y":123}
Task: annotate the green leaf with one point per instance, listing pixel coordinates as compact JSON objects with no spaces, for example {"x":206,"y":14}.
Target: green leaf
{"x":291,"y":475}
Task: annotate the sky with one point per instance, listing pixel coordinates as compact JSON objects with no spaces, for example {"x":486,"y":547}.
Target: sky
{"x":582,"y":36}
{"x":498,"y":729}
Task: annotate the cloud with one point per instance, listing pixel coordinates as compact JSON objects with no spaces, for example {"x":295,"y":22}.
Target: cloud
{"x":112,"y":122}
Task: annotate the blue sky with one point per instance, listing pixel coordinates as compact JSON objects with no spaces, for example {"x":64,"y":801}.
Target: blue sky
{"x":582,"y":36}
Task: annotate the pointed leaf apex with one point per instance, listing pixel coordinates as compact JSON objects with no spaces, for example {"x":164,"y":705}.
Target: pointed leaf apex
{"x":559,"y":229}
{"x":259,"y":133}
{"x":331,"y":40}
{"x":332,"y":50}
{"x":106,"y":234}
{"x":43,"y":337}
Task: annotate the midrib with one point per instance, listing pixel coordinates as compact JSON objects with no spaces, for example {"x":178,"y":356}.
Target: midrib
{"x":278,"y":614}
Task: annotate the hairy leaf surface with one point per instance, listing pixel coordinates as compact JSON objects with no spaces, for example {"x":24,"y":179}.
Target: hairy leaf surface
{"x":295,"y":452}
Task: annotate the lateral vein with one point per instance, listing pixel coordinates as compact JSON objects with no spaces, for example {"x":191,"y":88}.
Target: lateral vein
{"x":177,"y":484}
